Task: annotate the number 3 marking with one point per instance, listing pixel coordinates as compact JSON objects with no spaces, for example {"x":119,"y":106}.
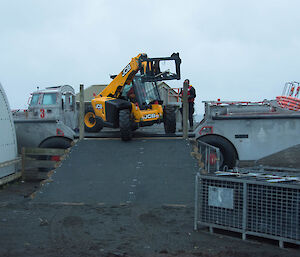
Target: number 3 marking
{"x":42,"y":115}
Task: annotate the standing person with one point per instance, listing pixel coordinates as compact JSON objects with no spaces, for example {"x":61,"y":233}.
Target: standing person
{"x":191,"y":93}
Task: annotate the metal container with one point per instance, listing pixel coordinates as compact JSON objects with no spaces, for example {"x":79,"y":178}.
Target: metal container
{"x":250,"y":204}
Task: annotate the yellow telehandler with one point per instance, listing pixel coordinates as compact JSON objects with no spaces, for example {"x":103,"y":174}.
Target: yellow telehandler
{"x":131,"y":100}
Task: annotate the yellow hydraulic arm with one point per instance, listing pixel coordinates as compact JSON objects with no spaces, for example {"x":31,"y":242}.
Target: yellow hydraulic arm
{"x":125,"y":77}
{"x":150,"y":71}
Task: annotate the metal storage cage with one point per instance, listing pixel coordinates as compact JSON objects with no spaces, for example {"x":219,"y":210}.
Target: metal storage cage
{"x":250,"y":206}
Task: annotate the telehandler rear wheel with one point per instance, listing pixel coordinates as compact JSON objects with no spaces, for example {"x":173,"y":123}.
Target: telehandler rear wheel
{"x":125,"y":125}
{"x":169,"y":119}
{"x":91,"y":123}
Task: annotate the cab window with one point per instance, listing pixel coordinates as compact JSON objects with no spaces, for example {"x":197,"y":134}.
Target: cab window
{"x":126,"y":90}
{"x":49,"y":98}
{"x":34,"y":99}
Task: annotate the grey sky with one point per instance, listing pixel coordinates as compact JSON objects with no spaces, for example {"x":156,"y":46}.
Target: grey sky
{"x":233,"y":50}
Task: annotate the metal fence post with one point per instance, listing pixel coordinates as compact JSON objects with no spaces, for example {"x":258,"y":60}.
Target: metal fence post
{"x":208,"y":161}
{"x":23,"y":162}
{"x":218,"y":160}
{"x":81,"y":113}
{"x":196,"y":202}
{"x":185,"y":110}
{"x":245,"y":206}
{"x":205,"y":160}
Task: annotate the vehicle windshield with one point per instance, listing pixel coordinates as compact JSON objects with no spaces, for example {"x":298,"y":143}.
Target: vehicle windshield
{"x":34,"y":99}
{"x":125,"y":92}
{"x":49,"y":98}
{"x":146,"y":91}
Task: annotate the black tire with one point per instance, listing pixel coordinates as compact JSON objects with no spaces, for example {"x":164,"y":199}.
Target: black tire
{"x":169,"y":119}
{"x":53,"y":142}
{"x":125,"y":125}
{"x":91,"y":122}
{"x":134,"y":126}
{"x":227,"y":151}
{"x":56,"y":142}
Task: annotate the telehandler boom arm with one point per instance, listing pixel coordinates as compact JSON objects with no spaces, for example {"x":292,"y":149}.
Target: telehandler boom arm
{"x":149,"y":69}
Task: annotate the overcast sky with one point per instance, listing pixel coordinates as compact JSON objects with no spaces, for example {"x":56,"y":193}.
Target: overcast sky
{"x":230,"y":49}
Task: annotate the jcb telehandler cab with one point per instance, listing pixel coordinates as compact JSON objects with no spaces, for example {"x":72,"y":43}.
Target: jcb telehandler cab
{"x":132,"y":99}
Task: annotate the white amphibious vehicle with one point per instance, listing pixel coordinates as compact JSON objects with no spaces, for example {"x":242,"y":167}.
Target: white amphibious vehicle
{"x":249,"y":131}
{"x":50,"y":119}
{"x":8,"y":141}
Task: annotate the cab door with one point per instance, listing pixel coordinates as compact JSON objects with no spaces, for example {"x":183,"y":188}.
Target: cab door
{"x":68,"y":110}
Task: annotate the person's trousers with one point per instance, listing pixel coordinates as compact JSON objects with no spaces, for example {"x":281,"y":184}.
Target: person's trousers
{"x":191,"y":113}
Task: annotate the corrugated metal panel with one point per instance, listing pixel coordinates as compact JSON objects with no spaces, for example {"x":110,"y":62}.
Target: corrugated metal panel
{"x":8,"y":142}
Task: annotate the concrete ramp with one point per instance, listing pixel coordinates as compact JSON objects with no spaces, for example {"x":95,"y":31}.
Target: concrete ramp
{"x":149,"y":172}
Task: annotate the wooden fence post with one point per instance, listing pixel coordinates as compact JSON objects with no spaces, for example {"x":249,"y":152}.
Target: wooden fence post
{"x":81,"y":113}
{"x":185,"y":110}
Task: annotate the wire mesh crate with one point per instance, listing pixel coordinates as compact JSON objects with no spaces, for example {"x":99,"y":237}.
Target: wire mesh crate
{"x":221,"y":203}
{"x":249,"y":206}
{"x":273,"y":210}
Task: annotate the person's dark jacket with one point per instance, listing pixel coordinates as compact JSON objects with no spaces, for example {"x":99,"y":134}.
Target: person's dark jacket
{"x":191,"y":94}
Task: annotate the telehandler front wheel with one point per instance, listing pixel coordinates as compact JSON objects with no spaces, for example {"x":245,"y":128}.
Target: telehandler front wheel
{"x":125,"y":125}
{"x":91,"y":123}
{"x":169,"y":116}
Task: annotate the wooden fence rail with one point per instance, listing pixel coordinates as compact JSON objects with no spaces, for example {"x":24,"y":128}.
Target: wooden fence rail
{"x":12,"y":176}
{"x":37,"y":162}
{"x":34,"y":164}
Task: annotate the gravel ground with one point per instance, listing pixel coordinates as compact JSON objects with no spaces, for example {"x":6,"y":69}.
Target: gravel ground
{"x":29,"y":229}
{"x":88,"y":211}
